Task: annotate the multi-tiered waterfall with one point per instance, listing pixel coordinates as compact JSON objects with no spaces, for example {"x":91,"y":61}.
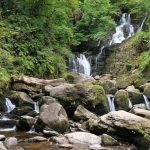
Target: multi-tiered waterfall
{"x":94,"y":63}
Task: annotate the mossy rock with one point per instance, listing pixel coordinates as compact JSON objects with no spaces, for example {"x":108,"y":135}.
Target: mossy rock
{"x":122,"y":100}
{"x":20,"y":111}
{"x":147,"y":90}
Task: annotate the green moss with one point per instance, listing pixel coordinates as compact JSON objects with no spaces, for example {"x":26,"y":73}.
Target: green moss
{"x":99,"y":92}
{"x":70,"y":77}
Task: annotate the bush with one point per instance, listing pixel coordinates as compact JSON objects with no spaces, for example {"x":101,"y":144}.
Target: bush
{"x":142,"y":41}
{"x":144,"y":61}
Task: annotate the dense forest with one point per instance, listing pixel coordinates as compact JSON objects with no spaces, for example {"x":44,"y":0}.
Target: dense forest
{"x":37,"y":36}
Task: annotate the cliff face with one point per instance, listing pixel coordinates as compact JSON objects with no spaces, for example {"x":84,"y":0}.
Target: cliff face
{"x":122,"y":61}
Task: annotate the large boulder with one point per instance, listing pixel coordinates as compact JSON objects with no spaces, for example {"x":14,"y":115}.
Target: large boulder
{"x":141,"y":112}
{"x":26,"y":123}
{"x":11,"y":142}
{"x":124,"y":124}
{"x":110,"y":86}
{"x":107,"y":140}
{"x":122,"y":100}
{"x":82,"y":113}
{"x":135,"y":96}
{"x":83,"y":139}
{"x":53,"y":116}
{"x":91,"y":96}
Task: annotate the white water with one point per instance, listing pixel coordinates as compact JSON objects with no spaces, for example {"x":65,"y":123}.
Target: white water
{"x":111,"y":102}
{"x":80,"y":65}
{"x":9,"y":105}
{"x":36,"y":107}
{"x":130,"y":104}
{"x":32,"y":130}
{"x":147,"y":103}
{"x":142,"y":24}
{"x":125,"y":27}
{"x":8,"y":129}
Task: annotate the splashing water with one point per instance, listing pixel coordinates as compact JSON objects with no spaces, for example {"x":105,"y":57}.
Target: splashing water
{"x":36,"y":107}
{"x":9,"y":105}
{"x":125,"y":27}
{"x":147,"y":103}
{"x":130,"y":104}
{"x":111,"y":102}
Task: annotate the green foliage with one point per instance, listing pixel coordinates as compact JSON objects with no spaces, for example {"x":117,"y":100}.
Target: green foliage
{"x":144,"y":60}
{"x":142,"y":41}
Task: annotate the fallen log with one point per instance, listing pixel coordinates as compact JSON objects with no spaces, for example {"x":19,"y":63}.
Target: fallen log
{"x":36,"y":81}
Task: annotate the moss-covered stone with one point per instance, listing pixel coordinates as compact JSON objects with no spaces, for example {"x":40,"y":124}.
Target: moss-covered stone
{"x":122,"y":100}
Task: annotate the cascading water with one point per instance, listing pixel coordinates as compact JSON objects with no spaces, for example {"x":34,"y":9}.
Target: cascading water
{"x":9,"y":105}
{"x":124,"y":30}
{"x":111,"y":102}
{"x":130,"y":104}
{"x":36,"y":107}
{"x":142,"y":24}
{"x":147,"y":103}
{"x":80,"y":65}
{"x":95,"y":63}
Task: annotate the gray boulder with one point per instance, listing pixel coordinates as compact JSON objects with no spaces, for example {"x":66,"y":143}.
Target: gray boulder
{"x":107,"y":140}
{"x":122,"y":100}
{"x":83,"y":139}
{"x":82,"y":113}
{"x":124,"y":124}
{"x":11,"y":142}
{"x":2,"y":147}
{"x":54,"y":117}
{"x":135,"y":96}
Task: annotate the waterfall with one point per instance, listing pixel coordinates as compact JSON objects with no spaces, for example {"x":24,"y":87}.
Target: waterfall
{"x":8,"y":129}
{"x":36,"y":107}
{"x":111,"y":102}
{"x":130,"y":104}
{"x":32,"y":130}
{"x":125,"y":27}
{"x":147,"y":103}
{"x":80,"y":65}
{"x":142,"y":24}
{"x":9,"y":105}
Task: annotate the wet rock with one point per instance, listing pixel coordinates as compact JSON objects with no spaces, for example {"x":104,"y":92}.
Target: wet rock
{"x":141,"y":112}
{"x":26,"y":122}
{"x":70,"y":146}
{"x":97,"y":77}
{"x":82,"y":113}
{"x":48,"y":100}
{"x":60,"y":139}
{"x":95,"y":147}
{"x":11,"y":142}
{"x":24,"y":110}
{"x":50,"y":132}
{"x":107,"y":140}
{"x":2,"y":137}
{"x":7,"y":123}
{"x":25,"y":87}
{"x":2,"y":147}
{"x":139,"y":106}
{"x":21,"y":99}
{"x":124,"y":124}
{"x":83,"y":139}
{"x":110,"y":86}
{"x":37,"y":139}
{"x":135,"y":96}
{"x":122,"y":100}
{"x":53,"y":116}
